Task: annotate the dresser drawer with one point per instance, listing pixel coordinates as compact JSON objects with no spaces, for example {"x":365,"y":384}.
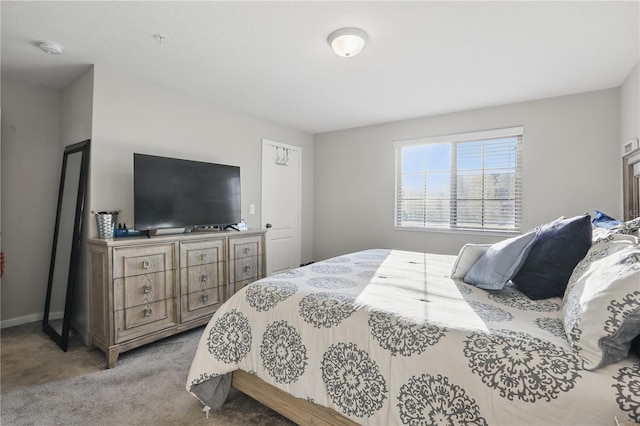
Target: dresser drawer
{"x":201,"y":303}
{"x":243,"y":247}
{"x":194,"y":253}
{"x":202,"y":277}
{"x":131,"y":261}
{"x":144,"y":319}
{"x":142,"y":289}
{"x":247,"y":268}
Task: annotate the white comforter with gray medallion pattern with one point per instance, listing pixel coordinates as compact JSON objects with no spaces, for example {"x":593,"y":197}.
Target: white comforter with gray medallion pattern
{"x":386,"y":337}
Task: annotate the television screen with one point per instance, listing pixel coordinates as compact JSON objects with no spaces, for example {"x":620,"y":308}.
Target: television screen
{"x":175,"y":193}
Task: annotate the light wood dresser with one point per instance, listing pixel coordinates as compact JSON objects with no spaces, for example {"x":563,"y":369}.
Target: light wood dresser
{"x":145,"y":289}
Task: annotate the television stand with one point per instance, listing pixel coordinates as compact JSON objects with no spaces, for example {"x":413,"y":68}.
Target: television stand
{"x":231,"y":227}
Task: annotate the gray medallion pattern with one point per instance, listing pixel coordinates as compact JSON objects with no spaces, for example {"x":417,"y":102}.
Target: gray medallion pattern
{"x":620,"y":310}
{"x":463,"y":287}
{"x":552,"y":325}
{"x":329,"y":269}
{"x":283,"y":354}
{"x":628,"y":391}
{"x":489,"y":312}
{"x":265,"y":295}
{"x":521,"y":366}
{"x":367,"y":265}
{"x":341,"y":259}
{"x":326,"y":309}
{"x":402,"y":336}
{"x":372,"y":255}
{"x":628,"y":227}
{"x":353,"y":380}
{"x":331,"y":282}
{"x":432,"y":401}
{"x":229,"y":339}
{"x":572,"y":316}
{"x":203,"y":377}
{"x":293,"y":273}
{"x":584,"y":264}
{"x":511,"y":297}
{"x":366,"y":275}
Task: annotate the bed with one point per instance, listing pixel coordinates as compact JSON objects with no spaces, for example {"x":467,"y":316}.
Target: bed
{"x":386,"y":337}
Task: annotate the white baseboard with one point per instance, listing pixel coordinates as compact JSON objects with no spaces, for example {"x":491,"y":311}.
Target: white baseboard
{"x":28,"y":319}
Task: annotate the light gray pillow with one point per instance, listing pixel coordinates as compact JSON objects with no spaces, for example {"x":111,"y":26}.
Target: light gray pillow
{"x":500,"y":262}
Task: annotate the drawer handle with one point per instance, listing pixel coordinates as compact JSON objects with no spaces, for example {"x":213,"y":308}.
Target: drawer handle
{"x":146,"y":264}
{"x":146,"y":289}
{"x":205,"y":296}
{"x":247,"y":268}
{"x":204,"y":256}
{"x":147,"y":311}
{"x":204,"y":278}
{"x":246,"y":250}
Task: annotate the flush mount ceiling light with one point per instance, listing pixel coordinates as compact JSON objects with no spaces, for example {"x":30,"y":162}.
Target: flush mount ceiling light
{"x":347,"y":42}
{"x":51,"y":47}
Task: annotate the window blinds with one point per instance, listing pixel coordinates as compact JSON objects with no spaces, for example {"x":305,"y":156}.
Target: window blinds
{"x":470,"y":181}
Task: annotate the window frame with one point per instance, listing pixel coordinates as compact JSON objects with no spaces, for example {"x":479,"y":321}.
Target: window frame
{"x":454,"y":139}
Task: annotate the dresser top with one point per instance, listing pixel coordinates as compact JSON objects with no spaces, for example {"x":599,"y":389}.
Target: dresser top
{"x":170,"y":238}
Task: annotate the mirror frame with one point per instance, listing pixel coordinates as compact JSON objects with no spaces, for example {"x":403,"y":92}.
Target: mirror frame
{"x":62,"y":340}
{"x":631,"y":185}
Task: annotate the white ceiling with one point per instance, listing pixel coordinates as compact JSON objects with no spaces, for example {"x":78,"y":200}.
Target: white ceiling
{"x":272,"y":59}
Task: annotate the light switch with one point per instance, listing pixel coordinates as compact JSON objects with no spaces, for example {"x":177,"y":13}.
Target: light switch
{"x":252,"y":209}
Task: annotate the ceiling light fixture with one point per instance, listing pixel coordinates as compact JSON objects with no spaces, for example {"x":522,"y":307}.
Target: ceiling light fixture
{"x":51,"y":47}
{"x":347,"y":42}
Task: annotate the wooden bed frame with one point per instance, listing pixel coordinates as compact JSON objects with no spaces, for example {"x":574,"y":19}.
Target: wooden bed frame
{"x":297,"y":410}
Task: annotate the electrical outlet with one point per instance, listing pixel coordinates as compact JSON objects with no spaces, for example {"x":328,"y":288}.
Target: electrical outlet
{"x":252,"y":209}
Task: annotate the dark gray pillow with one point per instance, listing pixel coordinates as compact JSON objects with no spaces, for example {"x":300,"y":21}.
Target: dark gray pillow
{"x":500,"y":262}
{"x":558,"y":248}
{"x":635,"y":345}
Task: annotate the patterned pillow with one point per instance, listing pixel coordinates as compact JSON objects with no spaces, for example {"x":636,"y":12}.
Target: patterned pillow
{"x":629,"y":227}
{"x":601,"y":309}
{"x":468,"y":256}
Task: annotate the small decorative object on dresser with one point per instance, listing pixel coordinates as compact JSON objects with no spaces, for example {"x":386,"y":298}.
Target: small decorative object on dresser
{"x":145,"y":289}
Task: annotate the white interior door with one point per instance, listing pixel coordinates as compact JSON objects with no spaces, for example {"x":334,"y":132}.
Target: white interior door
{"x":281,"y":183}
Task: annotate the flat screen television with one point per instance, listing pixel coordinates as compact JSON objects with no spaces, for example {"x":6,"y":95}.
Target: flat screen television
{"x":176,"y":193}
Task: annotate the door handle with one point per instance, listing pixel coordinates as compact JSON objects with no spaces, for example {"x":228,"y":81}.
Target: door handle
{"x":268,"y":225}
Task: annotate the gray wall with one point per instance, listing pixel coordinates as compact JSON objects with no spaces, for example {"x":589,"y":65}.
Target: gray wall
{"x":630,"y":106}
{"x":572,"y":161}
{"x":571,"y":165}
{"x":133,"y":115}
{"x":31,"y":166}
{"x":121,"y":114}
{"x":76,"y":119}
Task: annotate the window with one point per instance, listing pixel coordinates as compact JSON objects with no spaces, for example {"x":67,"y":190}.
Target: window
{"x":463,"y":182}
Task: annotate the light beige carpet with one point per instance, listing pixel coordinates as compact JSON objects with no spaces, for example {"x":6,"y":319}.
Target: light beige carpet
{"x":41,"y":385}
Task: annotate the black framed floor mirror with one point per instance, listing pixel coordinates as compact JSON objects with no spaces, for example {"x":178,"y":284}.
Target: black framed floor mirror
{"x":66,"y":243}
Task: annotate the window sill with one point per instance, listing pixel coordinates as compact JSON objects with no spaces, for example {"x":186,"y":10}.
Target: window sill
{"x":458,"y":231}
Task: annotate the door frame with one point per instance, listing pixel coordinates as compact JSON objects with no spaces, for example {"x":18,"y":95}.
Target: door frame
{"x":297,"y":149}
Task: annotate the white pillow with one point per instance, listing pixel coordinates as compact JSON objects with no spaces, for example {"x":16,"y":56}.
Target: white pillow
{"x":601,"y":309}
{"x":468,"y":256}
